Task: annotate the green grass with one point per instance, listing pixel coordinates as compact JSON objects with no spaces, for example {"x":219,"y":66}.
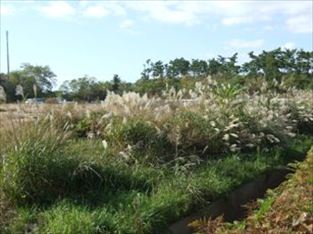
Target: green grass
{"x":105,"y":196}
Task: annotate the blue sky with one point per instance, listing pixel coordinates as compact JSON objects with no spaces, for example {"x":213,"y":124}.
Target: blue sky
{"x":102,"y":38}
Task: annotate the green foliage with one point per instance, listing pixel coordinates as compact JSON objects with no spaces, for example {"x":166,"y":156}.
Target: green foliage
{"x":290,"y":66}
{"x":129,"y":198}
{"x":116,"y":83}
{"x":85,"y":88}
{"x":300,"y":81}
{"x":178,"y":67}
{"x":66,"y":217}
{"x":265,"y":206}
{"x":24,"y":221}
{"x":135,"y":131}
{"x":278,"y":62}
{"x":41,"y":169}
{"x":89,"y":89}
{"x":191,"y":132}
{"x":153,"y":87}
{"x":146,"y":162}
{"x":137,"y":137}
{"x":40,"y":76}
{"x":228,"y":91}
{"x":37,"y":170}
{"x":199,"y":68}
{"x":8,"y":87}
{"x":90,"y":125}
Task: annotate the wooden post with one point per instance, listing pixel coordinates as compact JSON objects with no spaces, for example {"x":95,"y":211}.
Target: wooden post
{"x":8,"y":56}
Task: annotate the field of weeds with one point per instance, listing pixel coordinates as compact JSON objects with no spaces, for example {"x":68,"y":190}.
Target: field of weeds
{"x":135,"y":164}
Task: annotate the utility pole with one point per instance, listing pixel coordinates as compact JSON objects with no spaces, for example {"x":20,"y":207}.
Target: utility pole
{"x":8,"y":56}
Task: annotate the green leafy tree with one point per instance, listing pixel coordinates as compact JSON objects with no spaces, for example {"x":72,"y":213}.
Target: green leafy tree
{"x":40,"y":76}
{"x":8,"y":87}
{"x":304,"y":62}
{"x":231,"y":68}
{"x":43,"y":76}
{"x":85,"y":88}
{"x":271,"y":65}
{"x":147,"y":69}
{"x":214,"y":67}
{"x":251,"y":68}
{"x":266,"y":64}
{"x":199,"y":68}
{"x":288,"y":61}
{"x":178,"y":67}
{"x":116,"y":82}
{"x":158,"y":69}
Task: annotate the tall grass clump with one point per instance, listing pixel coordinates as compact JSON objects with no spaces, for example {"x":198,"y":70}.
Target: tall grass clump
{"x":191,"y":132}
{"x":43,"y":164}
{"x":135,"y":137}
{"x":217,"y":118}
{"x":38,"y":169}
{"x":34,"y":167}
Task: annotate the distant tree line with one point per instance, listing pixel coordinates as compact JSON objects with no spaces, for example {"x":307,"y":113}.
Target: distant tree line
{"x":272,"y":64}
{"x":291,"y":65}
{"x":89,"y":89}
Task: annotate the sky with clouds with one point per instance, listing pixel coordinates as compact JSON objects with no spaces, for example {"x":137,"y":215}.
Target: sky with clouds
{"x":102,"y":38}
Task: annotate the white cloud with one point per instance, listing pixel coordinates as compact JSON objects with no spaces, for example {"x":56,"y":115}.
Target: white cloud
{"x":229,"y":21}
{"x":96,"y":11}
{"x":7,"y":10}
{"x":84,"y":3}
{"x":296,"y":15}
{"x":228,"y":12}
{"x":269,"y":28}
{"x":287,"y":7}
{"x":57,"y":9}
{"x":115,"y":8}
{"x":127,"y":24}
{"x":166,"y":12}
{"x":102,"y":9}
{"x":231,"y":8}
{"x":300,"y":24}
{"x":289,"y":45}
{"x":240,"y":44}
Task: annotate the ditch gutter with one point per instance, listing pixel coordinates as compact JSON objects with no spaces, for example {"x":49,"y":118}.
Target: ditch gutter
{"x":231,"y":206}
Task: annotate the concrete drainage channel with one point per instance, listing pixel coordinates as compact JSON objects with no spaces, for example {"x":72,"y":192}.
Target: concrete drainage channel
{"x":232,"y":205}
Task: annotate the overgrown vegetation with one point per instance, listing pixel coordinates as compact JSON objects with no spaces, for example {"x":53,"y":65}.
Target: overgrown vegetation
{"x":135,"y":163}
